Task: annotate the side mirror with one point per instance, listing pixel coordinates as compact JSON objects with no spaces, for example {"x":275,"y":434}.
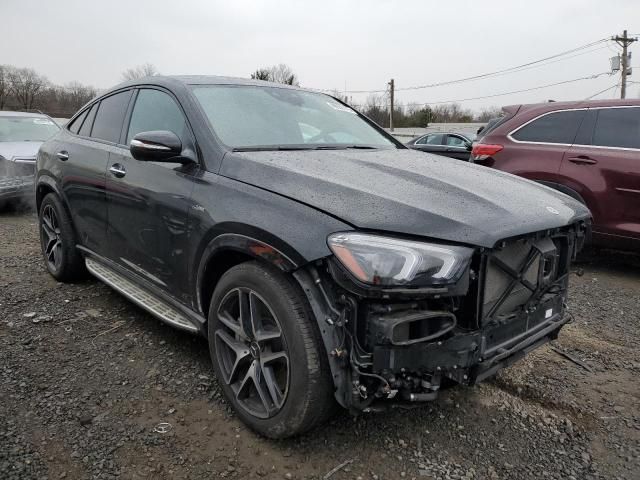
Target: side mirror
{"x":157,"y":146}
{"x":469,"y":146}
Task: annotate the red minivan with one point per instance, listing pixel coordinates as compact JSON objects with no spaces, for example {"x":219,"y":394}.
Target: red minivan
{"x":589,"y":150}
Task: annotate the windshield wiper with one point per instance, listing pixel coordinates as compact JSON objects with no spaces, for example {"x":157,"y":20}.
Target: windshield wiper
{"x":297,"y":147}
{"x":272,"y":148}
{"x":345,"y":147}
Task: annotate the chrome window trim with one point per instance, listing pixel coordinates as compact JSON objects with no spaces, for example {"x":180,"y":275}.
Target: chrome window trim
{"x":630,"y":149}
{"x":510,"y":137}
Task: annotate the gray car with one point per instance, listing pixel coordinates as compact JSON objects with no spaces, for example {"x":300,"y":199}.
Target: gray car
{"x":21,"y":135}
{"x":450,"y":144}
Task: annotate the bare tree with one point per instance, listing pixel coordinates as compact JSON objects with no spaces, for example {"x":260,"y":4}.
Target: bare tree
{"x":376,"y":109}
{"x":26,"y":85}
{"x":278,"y":73}
{"x":76,"y":95}
{"x":281,"y":73}
{"x":140,"y":71}
{"x":262,"y":74}
{"x":4,"y":85}
{"x":487,"y":114}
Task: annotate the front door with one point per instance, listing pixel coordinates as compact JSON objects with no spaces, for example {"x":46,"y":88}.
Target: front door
{"x":457,"y":147}
{"x":148,"y":202}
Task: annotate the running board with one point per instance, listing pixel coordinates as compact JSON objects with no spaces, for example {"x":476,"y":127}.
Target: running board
{"x":142,"y":298}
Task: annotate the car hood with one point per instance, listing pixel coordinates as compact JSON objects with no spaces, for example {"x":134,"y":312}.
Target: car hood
{"x":408,"y":192}
{"x":10,"y":150}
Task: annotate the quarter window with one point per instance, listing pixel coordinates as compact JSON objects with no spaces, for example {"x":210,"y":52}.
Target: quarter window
{"x":77,"y":123}
{"x":110,"y":117}
{"x":85,"y":129}
{"x":155,"y":110}
{"x":557,"y":127}
{"x":618,"y":127}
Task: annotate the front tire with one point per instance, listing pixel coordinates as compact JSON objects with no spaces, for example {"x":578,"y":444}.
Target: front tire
{"x":58,"y":241}
{"x":267,"y":353}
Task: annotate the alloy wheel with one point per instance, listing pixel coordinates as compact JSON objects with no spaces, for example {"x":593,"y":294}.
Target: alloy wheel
{"x":252,"y":353}
{"x":51,"y":238}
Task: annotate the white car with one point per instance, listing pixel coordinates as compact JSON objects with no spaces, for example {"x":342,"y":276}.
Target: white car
{"x":21,"y":135}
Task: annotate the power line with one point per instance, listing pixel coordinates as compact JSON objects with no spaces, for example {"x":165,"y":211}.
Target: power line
{"x":540,"y":87}
{"x":509,"y":70}
{"x":514,"y":69}
{"x":615,"y":85}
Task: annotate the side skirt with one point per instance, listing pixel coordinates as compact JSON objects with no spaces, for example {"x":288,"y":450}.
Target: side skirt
{"x":142,"y":297}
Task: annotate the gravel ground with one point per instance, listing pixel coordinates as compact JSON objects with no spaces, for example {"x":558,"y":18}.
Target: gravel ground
{"x":86,"y":377}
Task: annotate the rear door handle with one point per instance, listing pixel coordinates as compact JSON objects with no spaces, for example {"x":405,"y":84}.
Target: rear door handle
{"x":117,"y":170}
{"x":583,"y":160}
{"x":63,"y":155}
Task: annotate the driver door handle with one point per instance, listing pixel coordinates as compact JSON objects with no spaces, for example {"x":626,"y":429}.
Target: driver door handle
{"x":63,"y":155}
{"x":583,"y":160}
{"x":118,"y":170}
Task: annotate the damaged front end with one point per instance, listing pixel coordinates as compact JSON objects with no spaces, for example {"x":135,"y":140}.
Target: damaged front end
{"x":461,"y":318}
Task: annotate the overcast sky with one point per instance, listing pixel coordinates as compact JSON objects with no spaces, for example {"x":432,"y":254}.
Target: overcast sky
{"x":346,"y":45}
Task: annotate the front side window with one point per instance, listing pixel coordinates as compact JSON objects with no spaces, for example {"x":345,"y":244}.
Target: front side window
{"x":455,"y":141}
{"x":617,"y":127}
{"x":556,"y":127}
{"x":246,"y":116}
{"x":156,"y":110}
{"x":110,"y":117}
{"x":26,"y":129}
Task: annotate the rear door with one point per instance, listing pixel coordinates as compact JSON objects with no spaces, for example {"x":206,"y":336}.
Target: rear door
{"x":604,"y":165}
{"x":536,"y":148}
{"x":147,"y":202}
{"x":82,"y":158}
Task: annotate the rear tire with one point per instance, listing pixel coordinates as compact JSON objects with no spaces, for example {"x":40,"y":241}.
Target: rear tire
{"x":58,"y":241}
{"x":269,"y":359}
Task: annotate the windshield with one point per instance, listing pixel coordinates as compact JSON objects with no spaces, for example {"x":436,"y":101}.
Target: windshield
{"x":252,"y":117}
{"x":26,"y":129}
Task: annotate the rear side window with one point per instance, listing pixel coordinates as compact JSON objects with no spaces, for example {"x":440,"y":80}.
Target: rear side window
{"x":156,"y":110}
{"x":77,"y":123}
{"x":556,"y":127}
{"x":433,"y":139}
{"x":110,"y":117}
{"x":85,"y":129}
{"x":617,"y":127}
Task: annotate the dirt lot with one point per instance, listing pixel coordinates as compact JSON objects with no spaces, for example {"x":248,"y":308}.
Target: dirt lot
{"x":85,"y":377}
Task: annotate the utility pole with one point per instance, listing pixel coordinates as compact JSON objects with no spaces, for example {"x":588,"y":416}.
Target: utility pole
{"x":391,"y":88}
{"x":624,"y":41}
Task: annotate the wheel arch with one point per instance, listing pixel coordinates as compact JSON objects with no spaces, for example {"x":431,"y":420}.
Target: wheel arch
{"x":225,"y":250}
{"x":44,"y":186}
{"x":564,"y":189}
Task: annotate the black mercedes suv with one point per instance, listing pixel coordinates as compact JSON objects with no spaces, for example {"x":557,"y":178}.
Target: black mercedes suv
{"x":323,"y":260}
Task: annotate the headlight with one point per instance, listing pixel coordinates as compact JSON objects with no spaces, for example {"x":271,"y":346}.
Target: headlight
{"x":378,"y":260}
